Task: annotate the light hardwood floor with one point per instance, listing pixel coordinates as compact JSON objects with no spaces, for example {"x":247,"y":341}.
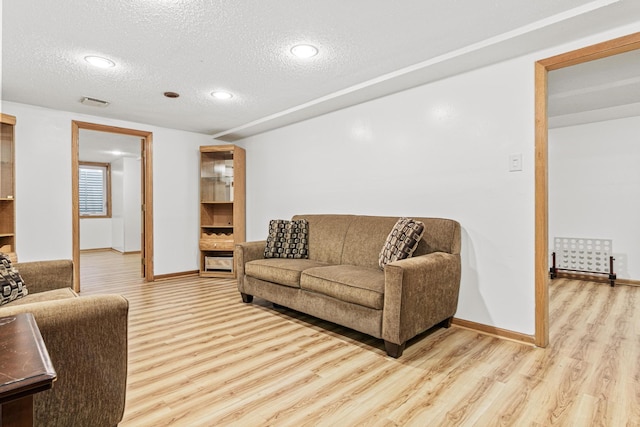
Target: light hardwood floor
{"x":198,"y":356}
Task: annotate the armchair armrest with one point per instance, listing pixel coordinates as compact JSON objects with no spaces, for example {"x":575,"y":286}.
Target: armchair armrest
{"x":420,"y":292}
{"x":40,"y":276}
{"x":245,"y":252}
{"x":86,"y":338}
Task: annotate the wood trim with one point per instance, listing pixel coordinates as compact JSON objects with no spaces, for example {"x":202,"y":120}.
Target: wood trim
{"x":591,"y":53}
{"x":84,"y":251}
{"x":87,"y":251}
{"x":148,"y":207}
{"x":147,"y":138}
{"x":75,"y":203}
{"x":630,"y":282}
{"x":104,"y":165}
{"x":123,"y":252}
{"x":111,"y":129}
{"x":143,"y":155}
{"x":492,"y":330}
{"x":107,"y":167}
{"x":541,"y":209}
{"x":217,"y":148}
{"x":7,"y":119}
{"x":542,"y":67}
{"x":179,"y":274}
{"x":239,"y":203}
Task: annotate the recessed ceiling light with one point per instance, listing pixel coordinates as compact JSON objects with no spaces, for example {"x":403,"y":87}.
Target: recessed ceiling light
{"x":221,"y":94}
{"x":99,"y":62}
{"x":304,"y":51}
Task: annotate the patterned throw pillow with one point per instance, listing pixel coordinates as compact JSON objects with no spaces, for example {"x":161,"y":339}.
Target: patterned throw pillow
{"x":402,"y":241}
{"x":287,"y":239}
{"x":12,"y":286}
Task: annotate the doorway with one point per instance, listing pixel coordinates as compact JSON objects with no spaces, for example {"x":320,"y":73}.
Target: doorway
{"x":146,"y":209}
{"x":590,"y":53}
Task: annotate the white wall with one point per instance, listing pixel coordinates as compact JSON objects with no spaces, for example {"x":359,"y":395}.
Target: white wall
{"x":43,"y":149}
{"x":95,"y":233}
{"x":132,"y":202}
{"x":117,"y":205}
{"x":125,"y":206}
{"x":437,"y":150}
{"x":594,"y":187}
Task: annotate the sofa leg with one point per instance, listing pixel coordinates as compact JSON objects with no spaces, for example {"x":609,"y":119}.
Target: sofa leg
{"x":394,"y":350}
{"x":246,"y":297}
{"x":446,"y":323}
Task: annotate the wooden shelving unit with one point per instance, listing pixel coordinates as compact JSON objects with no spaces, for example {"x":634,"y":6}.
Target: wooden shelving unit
{"x":222,"y":208}
{"x":7,"y":185}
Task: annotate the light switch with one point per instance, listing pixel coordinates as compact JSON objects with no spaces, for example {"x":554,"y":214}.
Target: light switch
{"x":515,"y":162}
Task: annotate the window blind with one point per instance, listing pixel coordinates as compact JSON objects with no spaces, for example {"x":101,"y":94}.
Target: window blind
{"x":93,"y":190}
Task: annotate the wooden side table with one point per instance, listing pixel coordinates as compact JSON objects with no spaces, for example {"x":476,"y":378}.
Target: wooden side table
{"x":25,"y":369}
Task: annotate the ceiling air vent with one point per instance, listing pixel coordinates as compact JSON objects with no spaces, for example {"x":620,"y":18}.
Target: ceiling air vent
{"x":93,"y":102}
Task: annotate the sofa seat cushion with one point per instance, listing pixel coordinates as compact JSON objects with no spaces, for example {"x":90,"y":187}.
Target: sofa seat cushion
{"x":56,"y":294}
{"x":283,"y":271}
{"x":350,"y":283}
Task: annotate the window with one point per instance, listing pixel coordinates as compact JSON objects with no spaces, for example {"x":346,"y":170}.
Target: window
{"x":94,"y":191}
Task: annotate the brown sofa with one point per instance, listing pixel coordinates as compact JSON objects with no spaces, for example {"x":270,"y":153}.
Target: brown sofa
{"x":86,"y":338}
{"x":341,"y":281}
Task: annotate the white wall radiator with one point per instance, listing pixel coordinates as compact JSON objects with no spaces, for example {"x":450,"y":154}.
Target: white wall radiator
{"x":581,"y":255}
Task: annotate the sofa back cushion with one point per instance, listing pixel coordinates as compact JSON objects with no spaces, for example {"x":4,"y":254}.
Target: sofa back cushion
{"x":440,"y":235}
{"x":365,"y":238}
{"x":326,"y":236}
{"x":358,"y":239}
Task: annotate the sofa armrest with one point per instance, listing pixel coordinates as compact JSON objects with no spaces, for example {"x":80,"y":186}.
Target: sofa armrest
{"x":86,"y":338}
{"x":419,"y":293}
{"x":40,"y":276}
{"x":245,"y":252}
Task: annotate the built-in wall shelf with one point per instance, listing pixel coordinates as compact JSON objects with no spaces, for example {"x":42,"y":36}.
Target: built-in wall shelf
{"x":222,"y":208}
{"x":7,"y":185}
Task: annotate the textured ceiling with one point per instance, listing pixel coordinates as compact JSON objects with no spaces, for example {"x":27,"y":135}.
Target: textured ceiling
{"x":367,"y":49}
